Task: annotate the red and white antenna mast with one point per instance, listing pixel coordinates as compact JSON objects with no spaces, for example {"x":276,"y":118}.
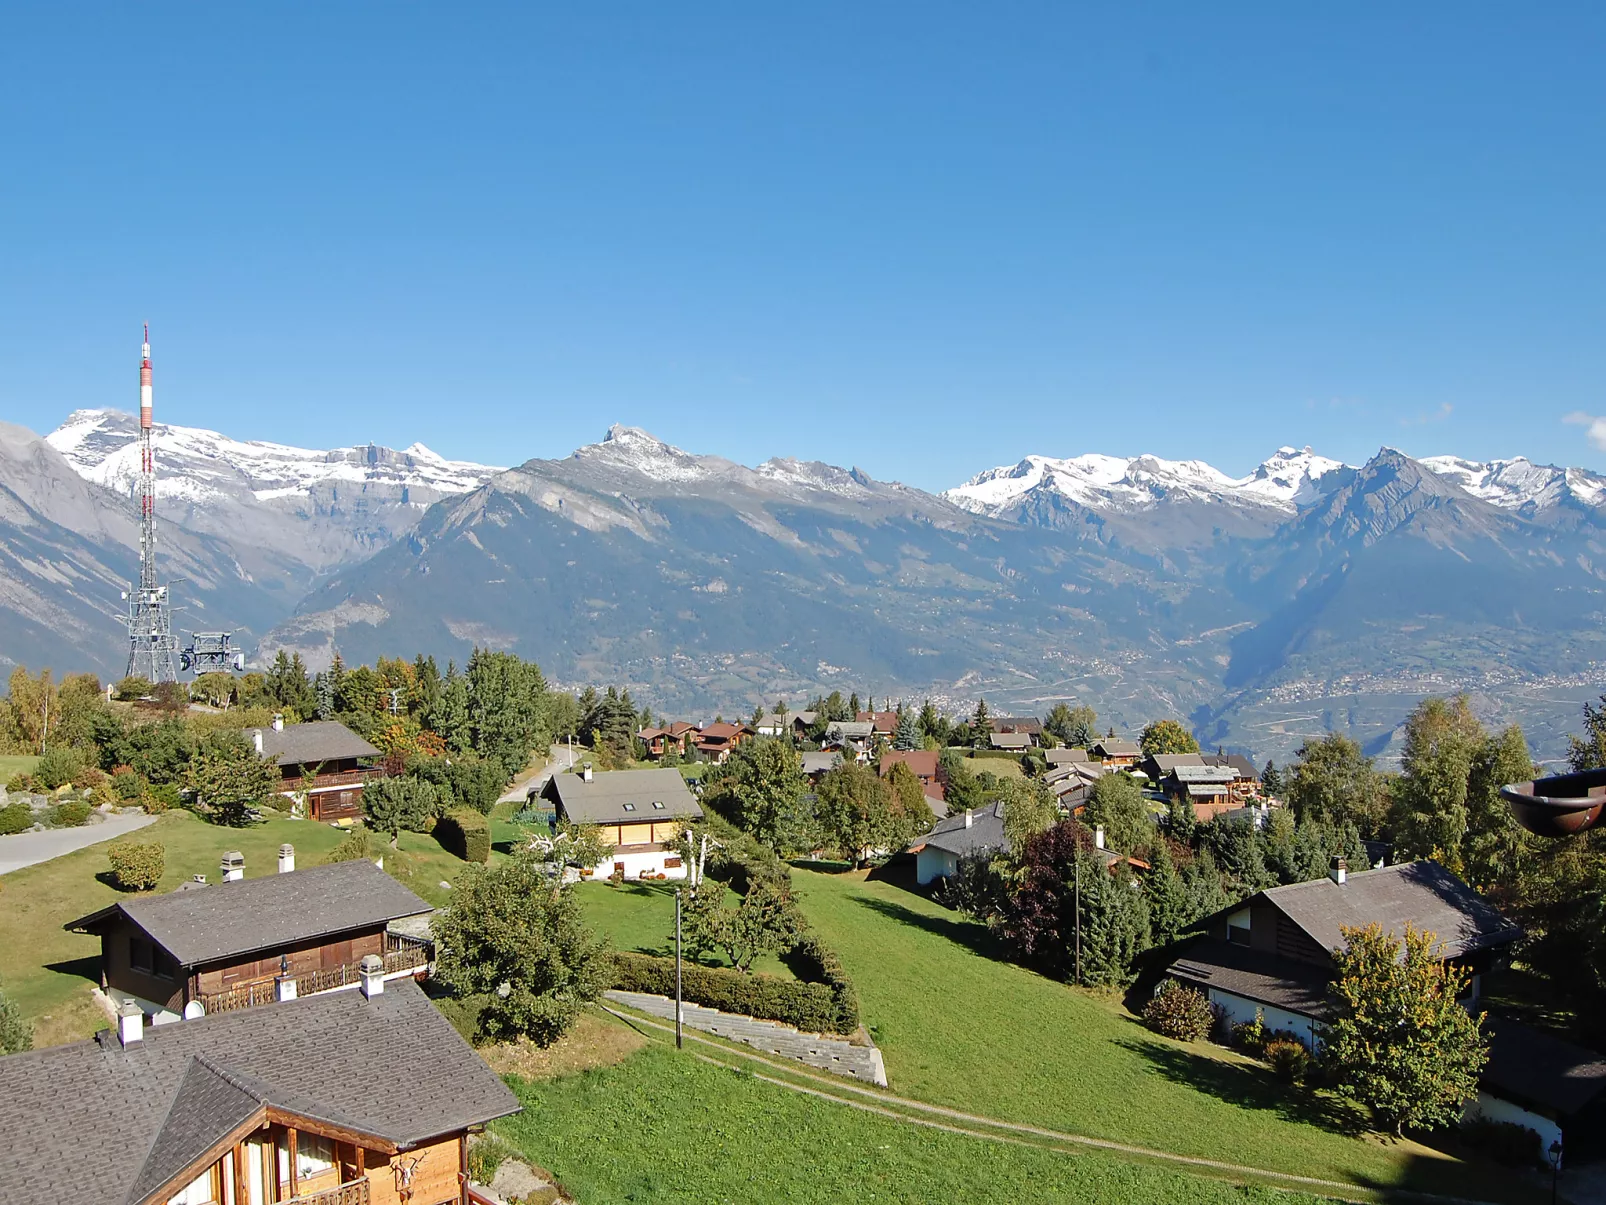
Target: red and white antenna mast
{"x":150,"y":639}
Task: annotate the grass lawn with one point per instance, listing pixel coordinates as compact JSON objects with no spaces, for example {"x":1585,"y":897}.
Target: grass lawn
{"x":960,"y":1027}
{"x":640,"y":917}
{"x":16,"y":763}
{"x":999,"y":767}
{"x":49,"y":971}
{"x":663,"y":1126}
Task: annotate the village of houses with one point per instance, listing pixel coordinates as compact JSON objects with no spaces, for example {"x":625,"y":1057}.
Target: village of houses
{"x":271,"y":1038}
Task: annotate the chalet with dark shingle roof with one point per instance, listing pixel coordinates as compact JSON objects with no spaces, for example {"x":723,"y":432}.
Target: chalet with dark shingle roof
{"x":715,"y":741}
{"x":369,"y":1091}
{"x":1116,"y":751}
{"x":323,"y":764}
{"x":639,"y":812}
{"x":236,"y":944}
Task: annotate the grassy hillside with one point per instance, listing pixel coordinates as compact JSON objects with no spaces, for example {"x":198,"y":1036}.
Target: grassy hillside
{"x":959,"y":1027}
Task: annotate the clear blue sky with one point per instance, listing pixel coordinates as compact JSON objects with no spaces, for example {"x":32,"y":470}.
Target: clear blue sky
{"x":922,"y":238}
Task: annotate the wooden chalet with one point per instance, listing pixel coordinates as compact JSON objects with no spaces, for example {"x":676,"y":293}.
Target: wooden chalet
{"x":715,"y":741}
{"x":1019,"y":725}
{"x":925,"y":765}
{"x":639,"y":813}
{"x":1209,"y":789}
{"x":673,"y":738}
{"x":322,"y":763}
{"x":882,"y":723}
{"x":1116,"y":751}
{"x":364,"y":1097}
{"x":247,"y":942}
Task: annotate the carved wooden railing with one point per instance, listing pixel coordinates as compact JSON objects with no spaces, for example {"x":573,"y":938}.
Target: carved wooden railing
{"x":353,"y":1192}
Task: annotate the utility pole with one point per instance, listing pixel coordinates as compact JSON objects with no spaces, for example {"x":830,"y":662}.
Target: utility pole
{"x":677,"y":969}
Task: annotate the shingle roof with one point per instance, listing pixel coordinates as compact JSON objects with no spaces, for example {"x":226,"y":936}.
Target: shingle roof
{"x":1029,"y":724}
{"x":1116,"y":746}
{"x":1422,"y":894}
{"x":321,"y":740}
{"x":1010,"y":740}
{"x":922,"y":762}
{"x":849,"y":730}
{"x":98,"y":1124}
{"x":1061,"y":757}
{"x":231,"y":919}
{"x":622,"y":796}
{"x":1199,"y":772}
{"x":1167,"y":762}
{"x":819,"y":762}
{"x":986,"y":831}
{"x":1237,"y":762}
{"x":1256,"y":975}
{"x":1533,"y":1068}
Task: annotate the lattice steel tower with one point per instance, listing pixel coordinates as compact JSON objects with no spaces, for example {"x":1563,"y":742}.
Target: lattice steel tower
{"x":151,"y":643}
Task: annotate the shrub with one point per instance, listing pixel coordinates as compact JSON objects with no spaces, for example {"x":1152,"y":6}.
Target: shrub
{"x":137,"y":865}
{"x":354,"y":846}
{"x":131,"y":688}
{"x":15,"y":818}
{"x":812,"y":961}
{"x":466,"y":834}
{"x":20,"y":782}
{"x":70,"y":813}
{"x":1288,"y":1058}
{"x":1251,"y":1035}
{"x":89,"y":777}
{"x":485,"y":1156}
{"x":57,"y":767}
{"x":1504,"y":1141}
{"x":127,"y":783}
{"x":1178,"y":1012}
{"x":160,"y":797}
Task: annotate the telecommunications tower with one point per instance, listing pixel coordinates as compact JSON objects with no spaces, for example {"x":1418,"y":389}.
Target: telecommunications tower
{"x":150,"y":632}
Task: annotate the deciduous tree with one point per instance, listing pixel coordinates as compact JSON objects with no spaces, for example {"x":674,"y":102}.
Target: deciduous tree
{"x":1334,"y":781}
{"x":1167,"y":736}
{"x":758,"y":787}
{"x":1429,"y":812}
{"x":1116,"y":803}
{"x":1076,"y":726}
{"x":228,"y":777}
{"x":1401,"y":1043}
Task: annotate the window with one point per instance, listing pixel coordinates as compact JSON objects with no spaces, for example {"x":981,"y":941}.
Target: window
{"x":141,"y":955}
{"x":658,"y":803}
{"x":671,"y":863}
{"x":203,"y":1190}
{"x":630,"y":807}
{"x":315,"y":1154}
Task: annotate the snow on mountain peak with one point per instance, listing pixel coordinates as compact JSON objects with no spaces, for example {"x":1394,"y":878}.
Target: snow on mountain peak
{"x":1284,"y":481}
{"x":1518,"y":483}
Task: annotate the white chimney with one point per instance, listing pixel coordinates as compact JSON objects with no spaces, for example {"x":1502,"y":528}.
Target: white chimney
{"x":1338,"y":871}
{"x":233,"y":866}
{"x":130,"y":1024}
{"x":284,"y":987}
{"x":585,"y":772}
{"x":1098,"y":836}
{"x":967,"y":817}
{"x":256,"y":739}
{"x":278,"y":722}
{"x":287,"y":858}
{"x":372,"y":970}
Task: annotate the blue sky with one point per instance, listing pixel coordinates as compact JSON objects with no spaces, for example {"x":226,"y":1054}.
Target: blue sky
{"x":924,"y":239}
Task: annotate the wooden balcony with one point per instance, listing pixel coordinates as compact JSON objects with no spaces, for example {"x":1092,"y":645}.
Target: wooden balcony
{"x":353,"y":1192}
{"x":340,"y":778}
{"x":402,"y":953}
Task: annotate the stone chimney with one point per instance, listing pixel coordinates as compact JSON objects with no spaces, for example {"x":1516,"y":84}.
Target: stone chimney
{"x":130,"y":1024}
{"x":1338,"y":870}
{"x":968,"y":817}
{"x":278,"y":722}
{"x":233,"y":866}
{"x":1098,"y":836}
{"x":287,"y":858}
{"x":372,"y":970}
{"x":256,"y":739}
{"x":585,"y":772}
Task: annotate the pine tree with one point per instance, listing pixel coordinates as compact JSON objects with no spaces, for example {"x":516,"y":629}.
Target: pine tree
{"x":981,"y":725}
{"x":1169,"y":912}
{"x":1271,"y":780}
{"x":1115,"y":923}
{"x":853,"y":705}
{"x":907,"y":735}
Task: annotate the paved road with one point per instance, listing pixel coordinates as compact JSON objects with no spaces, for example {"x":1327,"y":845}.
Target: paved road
{"x":26,"y":849}
{"x":557,"y":759}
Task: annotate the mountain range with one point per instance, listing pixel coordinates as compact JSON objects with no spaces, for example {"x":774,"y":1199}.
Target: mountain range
{"x":1308,"y":595}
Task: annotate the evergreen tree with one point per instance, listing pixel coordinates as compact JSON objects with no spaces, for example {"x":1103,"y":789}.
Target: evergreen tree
{"x":1207,"y":890}
{"x":1169,"y":910}
{"x":450,"y":720}
{"x":907,"y":735}
{"x":1401,"y":1043}
{"x":1074,"y":726}
{"x":1115,"y":923}
{"x":324,"y":690}
{"x":1240,"y":852}
{"x":1496,"y":852}
{"x":981,"y":725}
{"x":288,"y":687}
{"x":961,"y":790}
{"x":853,"y":706}
{"x":1589,"y":751}
{"x":392,"y":804}
{"x":1182,"y":822}
{"x":1271,"y":780}
{"x":930,"y":720}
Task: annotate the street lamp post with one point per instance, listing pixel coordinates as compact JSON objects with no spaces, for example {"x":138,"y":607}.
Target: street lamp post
{"x":1555,"y":1168}
{"x":677,"y":969}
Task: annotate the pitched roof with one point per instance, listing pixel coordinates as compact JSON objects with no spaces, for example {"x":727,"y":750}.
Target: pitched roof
{"x":881,"y":721}
{"x":1167,"y":762}
{"x":319,"y":740}
{"x":721,"y":731}
{"x":1061,"y":757}
{"x":1237,"y":762}
{"x":1116,"y":746}
{"x":1256,"y":975}
{"x":1529,"y":1067}
{"x":100,"y":1124}
{"x":923,"y":762}
{"x":819,"y":762}
{"x":227,"y":920}
{"x":986,"y":831}
{"x":1028,"y":724}
{"x":849,"y":730}
{"x":622,"y":796}
{"x":1206,"y":790}
{"x":1010,"y":740}
{"x":1421,"y":894}
{"x":1199,"y":772}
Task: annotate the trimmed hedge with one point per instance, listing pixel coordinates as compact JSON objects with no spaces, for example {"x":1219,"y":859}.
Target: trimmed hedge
{"x":137,"y":865}
{"x":1013,"y":755}
{"x":812,"y":1007}
{"x":466,"y":834}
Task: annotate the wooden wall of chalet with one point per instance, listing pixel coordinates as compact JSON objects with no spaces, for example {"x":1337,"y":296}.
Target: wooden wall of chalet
{"x":321,"y":955}
{"x":639,"y":834}
{"x":117,"y":971}
{"x":434,"y":1176}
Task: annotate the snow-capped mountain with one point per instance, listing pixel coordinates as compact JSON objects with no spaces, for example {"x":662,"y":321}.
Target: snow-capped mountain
{"x":1519,"y":484}
{"x":341,"y":504}
{"x":1107,"y":484}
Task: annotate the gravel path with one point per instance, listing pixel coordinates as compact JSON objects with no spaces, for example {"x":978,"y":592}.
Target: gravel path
{"x":28,"y":849}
